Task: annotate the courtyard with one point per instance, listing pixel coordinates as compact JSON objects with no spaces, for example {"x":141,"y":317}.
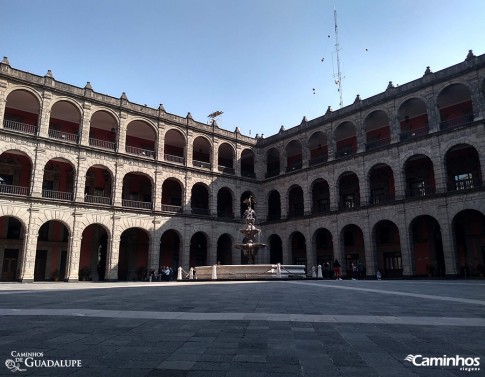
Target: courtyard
{"x":242,"y":328}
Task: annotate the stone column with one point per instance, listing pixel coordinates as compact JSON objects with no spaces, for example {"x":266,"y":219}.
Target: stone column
{"x":38,"y":171}
{"x":154,"y":249}
{"x":118,"y":184}
{"x":85,"y":125}
{"x":44,"y":115}
{"x":121,"y":134}
{"x":113,"y":252}
{"x":405,"y":244}
{"x":157,"y":191}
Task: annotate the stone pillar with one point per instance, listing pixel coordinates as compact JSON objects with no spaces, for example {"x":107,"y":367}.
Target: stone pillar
{"x":286,"y":248}
{"x":27,"y":260}
{"x":121,"y":134}
{"x":405,"y":244}
{"x":370,"y":262}
{"x":160,"y":144}
{"x":38,"y":172}
{"x":118,"y":184}
{"x":154,"y":249}
{"x":85,"y":125}
{"x":80,"y":178}
{"x":113,"y":252}
{"x":157,"y":191}
{"x":3,"y":100}
{"x":447,"y":240}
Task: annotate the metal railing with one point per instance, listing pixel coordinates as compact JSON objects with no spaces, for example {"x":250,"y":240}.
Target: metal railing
{"x":272,"y":173}
{"x":320,"y":209}
{"x":346,"y":151}
{"x":317,"y":160}
{"x":14,"y":190}
{"x":61,"y":135}
{"x":380,"y":199}
{"x":201,"y":164}
{"x":140,"y":151}
{"x":201,"y":211}
{"x":248,"y":174}
{"x":170,"y":208}
{"x":225,"y":215}
{"x":456,"y":122}
{"x":463,"y":184}
{"x":136,"y":204}
{"x":20,"y":127}
{"x":58,"y":195}
{"x":97,"y":199}
{"x":294,"y":213}
{"x":295,"y":166}
{"x":420,"y":192}
{"x":102,"y":144}
{"x":414,"y":133}
{"x":377,"y":143}
{"x":226,"y":170}
{"x":172,"y":158}
{"x":347,"y":205}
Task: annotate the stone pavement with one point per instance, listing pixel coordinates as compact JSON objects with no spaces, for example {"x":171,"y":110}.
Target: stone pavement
{"x":233,"y":329}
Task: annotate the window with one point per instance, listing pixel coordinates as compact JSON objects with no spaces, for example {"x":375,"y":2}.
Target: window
{"x":464,"y":181}
{"x":48,"y":185}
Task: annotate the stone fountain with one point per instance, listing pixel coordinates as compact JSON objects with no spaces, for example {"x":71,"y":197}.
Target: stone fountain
{"x":249,"y":247}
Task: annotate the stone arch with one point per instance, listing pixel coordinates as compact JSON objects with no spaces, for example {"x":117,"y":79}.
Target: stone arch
{"x":133,"y":254}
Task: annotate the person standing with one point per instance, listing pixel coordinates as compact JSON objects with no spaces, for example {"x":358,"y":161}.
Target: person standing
{"x":336,"y":269}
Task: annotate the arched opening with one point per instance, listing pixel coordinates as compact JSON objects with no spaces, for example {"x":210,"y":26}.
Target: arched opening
{"x":469,"y":237}
{"x":455,"y":106}
{"x":58,"y":180}
{"x":274,"y":206}
{"x":296,"y":206}
{"x":94,"y":248}
{"x":463,"y":168}
{"x":201,"y":153}
{"x":98,"y":186}
{"x":15,"y":173}
{"x":413,"y":119}
{"x":318,"y":148}
{"x":275,"y":249}
{"x":12,"y":234}
{"x":64,"y":122}
{"x":21,"y":112}
{"x":320,"y":197}
{"x":198,"y":250}
{"x":377,"y":130}
{"x":387,"y":249}
{"x":352,"y":241}
{"x":225,"y":159}
{"x":247,"y":164}
{"x":103,"y":130}
{"x":427,"y":247}
{"x":381,"y":184}
{"x":170,"y":249}
{"x":141,"y":139}
{"x":324,"y":249}
{"x":171,"y":196}
{"x":349,"y":191}
{"x":272,"y":163}
{"x":199,"y":200}
{"x":51,"y":252}
{"x":346,"y":140}
{"x":133,"y":258}
{"x":224,"y":203}
{"x":224,"y":249}
{"x":174,"y":146}
{"x":298,"y":249}
{"x":419,"y":176}
{"x":294,"y":156}
{"x":244,"y":206}
{"x":137,"y":191}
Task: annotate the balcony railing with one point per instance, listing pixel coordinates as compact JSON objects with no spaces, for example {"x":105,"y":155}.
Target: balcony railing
{"x":464,"y":184}
{"x":348,"y":205}
{"x":225,"y":215}
{"x":136,"y":204}
{"x":420,"y":192}
{"x":377,"y":143}
{"x":226,"y":170}
{"x":381,"y":199}
{"x":320,"y":209}
{"x":19,"y":127}
{"x":201,"y":164}
{"x":102,"y":144}
{"x":170,"y":208}
{"x":294,"y":213}
{"x":58,"y":195}
{"x":272,"y":173}
{"x":172,"y":158}
{"x":317,"y":160}
{"x":14,"y":190}
{"x":248,"y":174}
{"x":406,"y":135}
{"x":97,"y":199}
{"x":456,"y":122}
{"x":347,"y":151}
{"x":201,"y":211}
{"x":295,"y":166}
{"x":140,"y":151}
{"x":61,"y":135}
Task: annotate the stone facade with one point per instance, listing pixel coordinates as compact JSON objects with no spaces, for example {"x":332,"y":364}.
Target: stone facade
{"x":386,"y":181}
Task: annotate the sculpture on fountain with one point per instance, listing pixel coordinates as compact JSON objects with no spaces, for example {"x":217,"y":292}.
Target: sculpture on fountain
{"x":249,"y":246}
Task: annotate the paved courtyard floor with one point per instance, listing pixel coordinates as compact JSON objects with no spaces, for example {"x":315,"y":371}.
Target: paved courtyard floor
{"x":253,"y":329}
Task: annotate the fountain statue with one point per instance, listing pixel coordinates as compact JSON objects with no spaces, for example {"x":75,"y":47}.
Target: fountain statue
{"x":249,"y":247}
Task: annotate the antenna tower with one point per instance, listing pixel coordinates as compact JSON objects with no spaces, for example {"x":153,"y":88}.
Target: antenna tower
{"x":338,"y":76}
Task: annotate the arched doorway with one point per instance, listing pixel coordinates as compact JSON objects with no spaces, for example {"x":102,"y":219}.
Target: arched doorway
{"x":352,"y":241}
{"x":298,"y":248}
{"x":275,"y":249}
{"x":133,"y":259}
{"x":224,"y":249}
{"x":427,"y":246}
{"x":274,"y":206}
{"x":198,"y":250}
{"x":92,"y":259}
{"x":387,"y":245}
{"x":323,"y":246}
{"x":11,"y":248}
{"x":170,"y":249}
{"x":51,"y":254}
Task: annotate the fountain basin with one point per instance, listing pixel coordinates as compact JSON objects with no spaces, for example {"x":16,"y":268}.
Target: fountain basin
{"x":249,"y":271}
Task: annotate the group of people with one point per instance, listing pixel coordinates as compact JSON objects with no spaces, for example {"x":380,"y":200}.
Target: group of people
{"x":164,"y":273}
{"x":334,"y":270}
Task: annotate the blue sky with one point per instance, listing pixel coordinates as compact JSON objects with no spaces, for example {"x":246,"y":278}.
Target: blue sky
{"x":258,"y":61}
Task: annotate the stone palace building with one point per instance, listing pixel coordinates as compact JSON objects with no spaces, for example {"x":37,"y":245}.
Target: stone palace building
{"x":94,"y":187}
